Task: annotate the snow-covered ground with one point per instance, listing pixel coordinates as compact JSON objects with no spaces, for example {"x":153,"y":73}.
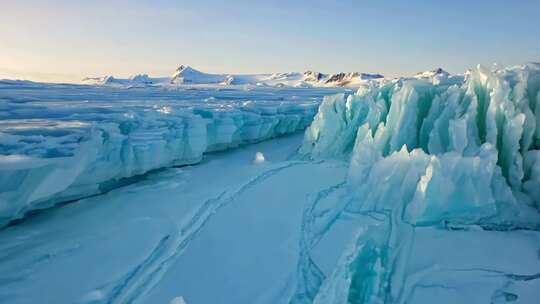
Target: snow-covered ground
{"x":413,"y":190}
{"x":228,"y":223}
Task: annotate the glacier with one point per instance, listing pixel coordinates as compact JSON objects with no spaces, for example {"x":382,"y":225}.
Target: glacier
{"x":422,"y":189}
{"x":57,"y":145}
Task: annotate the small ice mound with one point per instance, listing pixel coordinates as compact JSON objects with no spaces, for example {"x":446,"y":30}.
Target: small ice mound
{"x":92,"y":297}
{"x":259,"y":158}
{"x":178,"y":300}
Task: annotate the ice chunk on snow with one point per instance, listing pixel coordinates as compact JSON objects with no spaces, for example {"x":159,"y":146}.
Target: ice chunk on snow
{"x":259,"y":158}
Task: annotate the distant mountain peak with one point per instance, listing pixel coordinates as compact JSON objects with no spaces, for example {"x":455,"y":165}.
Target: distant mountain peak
{"x":312,"y":76}
{"x":432,"y":73}
{"x":182,"y":67}
{"x":185,"y":74}
{"x":141,"y":79}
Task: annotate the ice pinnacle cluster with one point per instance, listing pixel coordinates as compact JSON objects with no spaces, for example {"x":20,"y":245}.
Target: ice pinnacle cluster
{"x":429,"y":152}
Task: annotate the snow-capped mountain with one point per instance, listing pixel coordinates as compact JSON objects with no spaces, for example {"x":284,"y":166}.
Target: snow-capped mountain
{"x":346,"y":79}
{"x":438,"y":76}
{"x":432,"y":73}
{"x":104,"y":80}
{"x":135,"y":80}
{"x":186,"y":75}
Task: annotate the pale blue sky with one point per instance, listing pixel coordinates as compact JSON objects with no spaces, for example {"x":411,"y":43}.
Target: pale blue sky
{"x":63,"y":40}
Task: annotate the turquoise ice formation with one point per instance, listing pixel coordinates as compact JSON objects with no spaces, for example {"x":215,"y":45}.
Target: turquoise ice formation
{"x":430,"y":157}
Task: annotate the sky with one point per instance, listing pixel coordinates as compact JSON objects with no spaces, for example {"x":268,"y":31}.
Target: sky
{"x":66,"y":40}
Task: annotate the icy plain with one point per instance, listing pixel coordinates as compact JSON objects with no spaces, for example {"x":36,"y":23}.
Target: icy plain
{"x":412,"y":190}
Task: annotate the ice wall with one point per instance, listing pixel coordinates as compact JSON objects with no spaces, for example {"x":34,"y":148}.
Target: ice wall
{"x":490,"y":117}
{"x":427,"y":155}
{"x":54,"y":151}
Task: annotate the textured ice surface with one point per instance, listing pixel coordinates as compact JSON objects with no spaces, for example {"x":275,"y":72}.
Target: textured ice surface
{"x":429,"y":156}
{"x":490,"y":121}
{"x":62,"y":142}
{"x":419,"y":190}
{"x":276,"y":232}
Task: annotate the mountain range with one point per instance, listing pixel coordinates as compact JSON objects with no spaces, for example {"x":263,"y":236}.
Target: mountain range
{"x":186,"y":75}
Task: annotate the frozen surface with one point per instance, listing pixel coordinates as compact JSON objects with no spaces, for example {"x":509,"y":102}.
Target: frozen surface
{"x":276,"y":232}
{"x":62,"y":142}
{"x":417,"y":190}
{"x":174,"y":234}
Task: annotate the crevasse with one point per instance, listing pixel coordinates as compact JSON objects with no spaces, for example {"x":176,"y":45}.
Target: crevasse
{"x":427,"y":155}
